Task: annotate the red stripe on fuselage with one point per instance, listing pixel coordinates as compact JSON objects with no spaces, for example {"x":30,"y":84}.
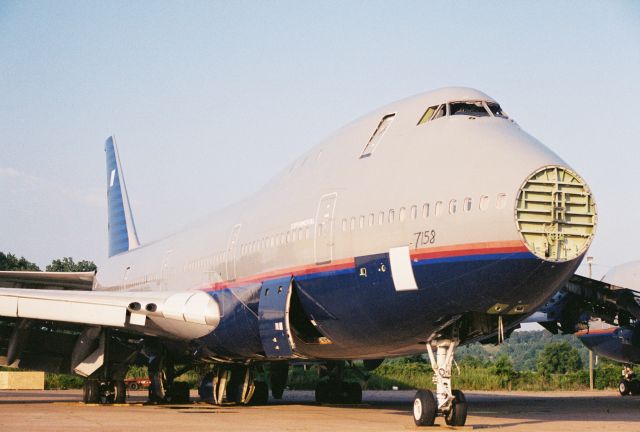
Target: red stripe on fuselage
{"x":468,"y":249}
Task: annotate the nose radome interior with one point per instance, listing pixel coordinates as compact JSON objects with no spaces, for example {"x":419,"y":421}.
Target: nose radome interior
{"x":556,"y":214}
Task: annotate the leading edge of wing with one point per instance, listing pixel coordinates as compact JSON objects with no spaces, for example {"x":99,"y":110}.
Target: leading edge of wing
{"x":185,"y":314}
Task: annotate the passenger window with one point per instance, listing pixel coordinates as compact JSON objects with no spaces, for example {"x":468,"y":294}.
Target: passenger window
{"x":353,"y":223}
{"x":438,"y":208}
{"x":361,"y":222}
{"x":501,"y":201}
{"x":453,"y":206}
{"x":469,"y":108}
{"x":377,"y":135}
{"x":381,"y":218}
{"x":392,"y":215}
{"x":425,"y":210}
{"x":402,"y":214}
{"x":344,"y":224}
{"x":484,"y":202}
{"x":372,"y":218}
{"x":414,"y":212}
{"x":468,"y":203}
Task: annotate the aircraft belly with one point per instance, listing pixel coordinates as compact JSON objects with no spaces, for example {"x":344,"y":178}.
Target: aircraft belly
{"x":359,"y":311}
{"x":370,"y":317}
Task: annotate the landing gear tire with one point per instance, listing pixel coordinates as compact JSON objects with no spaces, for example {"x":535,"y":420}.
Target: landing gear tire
{"x":260,"y":394}
{"x":119,"y":392}
{"x":624,"y":387}
{"x":354,"y":393}
{"x":457,"y":415}
{"x":157,"y":389}
{"x":179,"y":393}
{"x":133,"y":386}
{"x":323,"y":392}
{"x":90,"y":391}
{"x":424,"y":408}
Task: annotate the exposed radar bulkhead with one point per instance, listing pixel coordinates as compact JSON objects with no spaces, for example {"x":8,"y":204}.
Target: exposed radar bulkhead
{"x":555,"y":214}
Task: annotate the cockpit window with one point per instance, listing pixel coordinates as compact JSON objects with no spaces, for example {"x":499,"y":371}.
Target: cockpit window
{"x":428,"y":114}
{"x":440,"y":112}
{"x":496,"y":110}
{"x":433,"y":112}
{"x":469,"y":108}
{"x":463,"y":108}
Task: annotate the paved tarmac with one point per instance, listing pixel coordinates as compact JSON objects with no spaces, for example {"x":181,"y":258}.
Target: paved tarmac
{"x":380,"y":411}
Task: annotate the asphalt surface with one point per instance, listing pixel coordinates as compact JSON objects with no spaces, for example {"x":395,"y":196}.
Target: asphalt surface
{"x":380,"y":411}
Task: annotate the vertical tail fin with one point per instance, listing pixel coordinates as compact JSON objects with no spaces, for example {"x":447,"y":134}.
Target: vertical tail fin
{"x":122,"y":230}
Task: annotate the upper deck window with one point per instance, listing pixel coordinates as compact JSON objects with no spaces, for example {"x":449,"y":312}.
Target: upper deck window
{"x":377,"y":135}
{"x":468,"y":108}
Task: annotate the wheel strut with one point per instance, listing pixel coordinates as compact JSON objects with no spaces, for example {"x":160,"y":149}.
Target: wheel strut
{"x":451,"y":404}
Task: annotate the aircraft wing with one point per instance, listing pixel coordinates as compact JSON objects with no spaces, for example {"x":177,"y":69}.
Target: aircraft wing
{"x":582,"y":298}
{"x":110,"y":308}
{"x":47,"y":280}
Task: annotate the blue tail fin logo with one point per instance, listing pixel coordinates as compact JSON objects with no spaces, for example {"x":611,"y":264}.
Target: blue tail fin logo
{"x":122,"y":230}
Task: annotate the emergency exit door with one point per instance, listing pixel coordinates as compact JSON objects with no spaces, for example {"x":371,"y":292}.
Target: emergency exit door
{"x":324,"y":228}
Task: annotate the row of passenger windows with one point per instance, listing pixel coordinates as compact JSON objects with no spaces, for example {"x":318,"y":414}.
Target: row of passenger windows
{"x":391,"y":216}
{"x":275,"y":240}
{"x":426,"y":210}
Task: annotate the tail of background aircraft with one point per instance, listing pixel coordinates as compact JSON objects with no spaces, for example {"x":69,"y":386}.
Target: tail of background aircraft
{"x":122,"y":230}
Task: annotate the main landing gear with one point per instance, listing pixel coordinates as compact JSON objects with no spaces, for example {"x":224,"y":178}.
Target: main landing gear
{"x":451,"y":404}
{"x":332,"y":389}
{"x":104,"y":391}
{"x":629,"y":383}
{"x":231,"y":383}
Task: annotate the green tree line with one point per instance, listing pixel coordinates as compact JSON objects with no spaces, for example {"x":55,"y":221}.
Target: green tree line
{"x":10,"y":262}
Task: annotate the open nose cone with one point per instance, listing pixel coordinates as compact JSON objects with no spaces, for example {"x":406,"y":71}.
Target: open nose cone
{"x":555,"y":214}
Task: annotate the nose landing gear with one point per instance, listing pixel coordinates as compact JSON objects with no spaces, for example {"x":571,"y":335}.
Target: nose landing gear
{"x":451,"y":404}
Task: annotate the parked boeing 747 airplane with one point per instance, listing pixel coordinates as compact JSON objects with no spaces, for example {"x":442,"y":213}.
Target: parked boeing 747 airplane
{"x":432,"y":222}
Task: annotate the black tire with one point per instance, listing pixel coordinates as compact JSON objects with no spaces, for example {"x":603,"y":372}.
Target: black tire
{"x":624,"y":388}
{"x":179,"y":393}
{"x":133,"y":386}
{"x":354,"y":391}
{"x":157,"y":389}
{"x":119,"y":392}
{"x":90,"y":391}
{"x":234,"y":387}
{"x":457,"y":416}
{"x":424,"y":408}
{"x":260,"y":394}
{"x":278,"y":375}
{"x":205,"y":390}
{"x":323,"y":392}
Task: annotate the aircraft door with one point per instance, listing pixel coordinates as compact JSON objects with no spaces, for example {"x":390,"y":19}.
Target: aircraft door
{"x":230,"y":262}
{"x":273,"y":316}
{"x":324,"y":228}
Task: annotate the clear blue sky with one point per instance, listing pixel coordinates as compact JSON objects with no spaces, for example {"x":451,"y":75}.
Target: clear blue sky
{"x":208,"y":100}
